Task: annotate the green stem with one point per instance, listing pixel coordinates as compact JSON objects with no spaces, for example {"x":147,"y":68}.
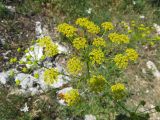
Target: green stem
{"x":137,"y":107}
{"x":88,"y":73}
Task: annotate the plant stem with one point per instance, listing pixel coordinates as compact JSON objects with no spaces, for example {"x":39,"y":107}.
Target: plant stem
{"x":137,"y":108}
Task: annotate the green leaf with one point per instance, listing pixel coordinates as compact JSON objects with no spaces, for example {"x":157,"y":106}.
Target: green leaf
{"x":143,"y":102}
{"x":157,"y":108}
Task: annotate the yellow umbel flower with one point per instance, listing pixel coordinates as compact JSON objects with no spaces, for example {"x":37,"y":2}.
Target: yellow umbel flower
{"x":50,"y":76}
{"x":17,"y":82}
{"x":118,"y":38}
{"x":67,"y":29}
{"x":107,"y":26}
{"x":131,"y":54}
{"x":72,"y":97}
{"x":13,"y":60}
{"x":82,"y":22}
{"x":43,"y":42}
{"x":97,"y":56}
{"x":79,"y":43}
{"x":99,"y":42}
{"x":97,"y":83}
{"x":121,"y":61}
{"x":118,"y":90}
{"x":92,"y":28}
{"x":74,"y":66}
{"x":50,"y":49}
{"x":89,"y":25}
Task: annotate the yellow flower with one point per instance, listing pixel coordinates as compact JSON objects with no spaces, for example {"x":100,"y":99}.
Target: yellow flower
{"x":107,"y":26}
{"x":50,"y":49}
{"x":97,"y":83}
{"x":67,"y":29}
{"x":121,"y":61}
{"x":17,"y":82}
{"x":118,"y":38}
{"x":72,"y":97}
{"x":24,"y":69}
{"x":50,"y":76}
{"x":117,"y":87}
{"x":99,"y":42}
{"x":118,"y":90}
{"x":74,"y":66}
{"x":82,"y":22}
{"x":131,"y":54}
{"x":79,"y":43}
{"x":89,"y":25}
{"x":21,"y":62}
{"x":92,"y":28}
{"x":97,"y":56}
{"x":13,"y":60}
{"x":18,"y":49}
{"x":36,"y":75}
{"x":43,"y":42}
{"x":130,"y":31}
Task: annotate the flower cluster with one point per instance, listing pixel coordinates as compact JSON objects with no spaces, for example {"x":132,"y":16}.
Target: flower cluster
{"x":79,"y":43}
{"x":50,"y":49}
{"x":144,"y":30}
{"x":67,"y":29}
{"x":43,"y":42}
{"x":107,"y":26}
{"x":13,"y":60}
{"x":72,"y":97}
{"x":121,"y":61}
{"x":50,"y":76}
{"x":99,"y":42}
{"x":131,"y":54}
{"x":97,"y":83}
{"x":89,"y":25}
{"x":118,"y":38}
{"x":118,"y":90}
{"x":74,"y":66}
{"x":97,"y":56}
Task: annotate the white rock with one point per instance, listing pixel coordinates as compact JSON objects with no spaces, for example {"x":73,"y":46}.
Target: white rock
{"x":38,"y":30}
{"x":36,"y":54}
{"x":4,"y":76}
{"x":47,"y":64}
{"x":154,"y":69}
{"x":34,"y":90}
{"x":64,"y":90}
{"x":26,"y":80}
{"x":60,"y":82}
{"x":90,"y":117}
{"x":61,"y":48}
